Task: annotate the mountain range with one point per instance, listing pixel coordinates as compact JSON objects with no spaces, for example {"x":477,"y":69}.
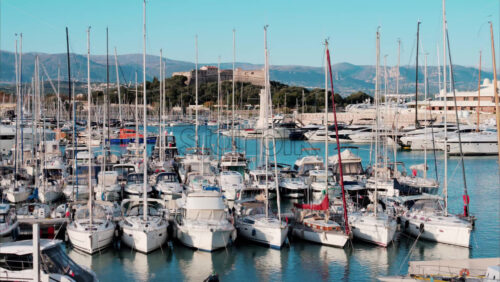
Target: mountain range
{"x":348,"y":78}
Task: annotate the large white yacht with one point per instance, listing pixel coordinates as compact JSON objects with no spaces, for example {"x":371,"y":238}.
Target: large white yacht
{"x":55,"y":265}
{"x":202,"y":222}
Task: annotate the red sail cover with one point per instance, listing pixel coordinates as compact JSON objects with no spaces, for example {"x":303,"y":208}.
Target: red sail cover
{"x":317,"y":207}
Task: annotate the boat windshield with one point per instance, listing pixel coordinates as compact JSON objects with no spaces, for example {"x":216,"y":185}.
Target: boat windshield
{"x":427,"y":206}
{"x":123,"y":171}
{"x":138,"y":210}
{"x":166,"y":177}
{"x":55,"y":260}
{"x":135,"y":178}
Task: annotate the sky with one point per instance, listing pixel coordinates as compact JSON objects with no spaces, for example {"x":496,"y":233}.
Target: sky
{"x":297,"y":29}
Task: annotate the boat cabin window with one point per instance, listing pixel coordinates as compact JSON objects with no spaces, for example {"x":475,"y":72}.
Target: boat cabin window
{"x":321,"y":178}
{"x":53,"y":173}
{"x":15,"y":262}
{"x":123,"y":171}
{"x":138,"y":211}
{"x":55,"y":260}
{"x":261,"y":178}
{"x":135,"y":178}
{"x":349,"y":168}
{"x":166,"y":177}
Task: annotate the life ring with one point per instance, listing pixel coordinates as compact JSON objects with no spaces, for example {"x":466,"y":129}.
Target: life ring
{"x":464,"y":272}
{"x":421,"y":228}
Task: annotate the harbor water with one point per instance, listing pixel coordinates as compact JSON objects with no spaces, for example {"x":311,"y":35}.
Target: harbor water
{"x":304,"y":261}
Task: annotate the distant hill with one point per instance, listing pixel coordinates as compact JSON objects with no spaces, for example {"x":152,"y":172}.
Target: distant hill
{"x":348,"y":78}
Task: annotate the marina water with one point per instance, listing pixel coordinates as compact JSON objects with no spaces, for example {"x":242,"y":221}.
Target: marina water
{"x":304,"y":261}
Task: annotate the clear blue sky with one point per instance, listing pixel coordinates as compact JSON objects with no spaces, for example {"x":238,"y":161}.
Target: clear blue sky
{"x":297,"y":28}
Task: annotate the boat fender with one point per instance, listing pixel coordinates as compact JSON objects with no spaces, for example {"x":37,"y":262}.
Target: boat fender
{"x":398,"y":220}
{"x":253,"y":232}
{"x":464,"y":272}
{"x":407,"y":224}
{"x":421,"y":228}
{"x":233,"y":236}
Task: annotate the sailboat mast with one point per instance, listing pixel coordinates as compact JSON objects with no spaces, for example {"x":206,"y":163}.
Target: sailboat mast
{"x":478,"y":94}
{"x":160,"y":108}
{"x":232,"y":110}
{"x":377,"y":119}
{"x":341,"y":172}
{"x":326,"y":117}
{"x":89,"y":138}
{"x":266,"y":87}
{"x":426,"y":85}
{"x":196,"y":93}
{"x":136,"y":117}
{"x":107,"y":92}
{"x":58,"y":98}
{"x":445,"y":182}
{"x":144,"y":138}
{"x":118,"y":89}
{"x":218,"y":108}
{"x":495,"y":87}
{"x":417,"y":124}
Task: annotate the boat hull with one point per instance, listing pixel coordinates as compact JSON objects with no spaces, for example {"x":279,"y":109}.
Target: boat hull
{"x":333,"y":239}
{"x":91,"y":242}
{"x":145,"y":242}
{"x":204,"y":239}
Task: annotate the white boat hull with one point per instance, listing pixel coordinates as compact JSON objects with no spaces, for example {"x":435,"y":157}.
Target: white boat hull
{"x":91,"y":241}
{"x":333,"y":239}
{"x":145,"y":242}
{"x":272,"y":236}
{"x":49,"y":196}
{"x":374,"y":230}
{"x":204,"y":239}
{"x":458,"y":235}
{"x":17,"y":196}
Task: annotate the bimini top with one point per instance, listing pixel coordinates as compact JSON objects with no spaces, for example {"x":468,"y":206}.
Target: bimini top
{"x":25,"y":247}
{"x":347,"y":156}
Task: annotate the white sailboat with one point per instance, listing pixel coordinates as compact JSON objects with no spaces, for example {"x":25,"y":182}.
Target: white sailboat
{"x":144,"y":228}
{"x":91,"y":229}
{"x":372,"y":225}
{"x":262,"y":227}
{"x":429,"y":218}
{"x":313,"y":222}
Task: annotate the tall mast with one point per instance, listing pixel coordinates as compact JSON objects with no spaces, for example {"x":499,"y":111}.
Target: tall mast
{"x":136,"y":117}
{"x":377,"y":118}
{"x":118,"y":89}
{"x":144,"y":138}
{"x":478,"y":109}
{"x":417,"y":124}
{"x":21,"y":93}
{"x":266,"y":87}
{"x":160,"y":108}
{"x":232,"y":111}
{"x":218,"y":107}
{"x":58,"y":96}
{"x":326,"y":117}
{"x":426,"y":85}
{"x":445,"y":182}
{"x":89,"y":93}
{"x":196,"y":93}
{"x":107,"y":92}
{"x":17,"y":117}
{"x":495,"y":87}
{"x":341,"y":172}
{"x":397,"y":75}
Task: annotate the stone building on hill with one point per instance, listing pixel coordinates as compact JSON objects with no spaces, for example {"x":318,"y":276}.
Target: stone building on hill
{"x":209,"y":74}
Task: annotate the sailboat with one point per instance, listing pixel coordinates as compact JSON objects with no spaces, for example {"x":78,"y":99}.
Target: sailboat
{"x":257,"y":225}
{"x":428,"y":218}
{"x":313,"y":221}
{"x":91,"y":229}
{"x":144,"y":226}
